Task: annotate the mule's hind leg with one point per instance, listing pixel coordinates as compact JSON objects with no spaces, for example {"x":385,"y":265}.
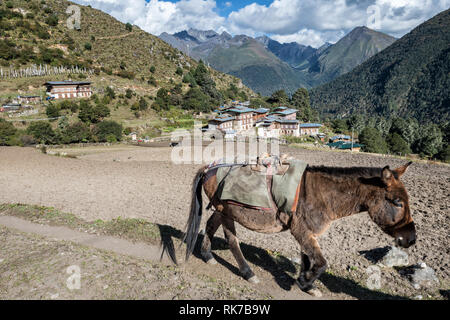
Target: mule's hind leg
{"x":233,"y":242}
{"x":212,"y":225}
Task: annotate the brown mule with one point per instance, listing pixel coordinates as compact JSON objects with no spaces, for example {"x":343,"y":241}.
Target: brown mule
{"x":378,"y":191}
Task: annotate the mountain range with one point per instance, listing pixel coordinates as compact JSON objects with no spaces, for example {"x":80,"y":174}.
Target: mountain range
{"x":410,"y":78}
{"x":266,"y":65}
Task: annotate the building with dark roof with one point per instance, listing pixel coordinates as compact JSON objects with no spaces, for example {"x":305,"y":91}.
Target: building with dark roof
{"x":68,"y":89}
{"x":310,"y":129}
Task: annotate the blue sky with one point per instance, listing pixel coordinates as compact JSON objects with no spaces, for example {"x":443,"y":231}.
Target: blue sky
{"x":309,"y":22}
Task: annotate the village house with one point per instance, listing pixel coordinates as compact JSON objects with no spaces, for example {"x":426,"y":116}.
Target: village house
{"x":221,"y":123}
{"x":243,"y":118}
{"x":341,"y":137}
{"x":268,"y":127}
{"x":68,"y":89}
{"x":288,"y":127}
{"x":260,"y":113}
{"x":11,"y":107}
{"x":310,"y":129}
{"x":342,"y":145}
{"x":239,"y":119}
{"x":29,"y":99}
{"x":285,"y":113}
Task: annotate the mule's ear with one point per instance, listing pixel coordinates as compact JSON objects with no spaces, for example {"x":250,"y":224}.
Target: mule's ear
{"x":401,"y":170}
{"x":387,"y":176}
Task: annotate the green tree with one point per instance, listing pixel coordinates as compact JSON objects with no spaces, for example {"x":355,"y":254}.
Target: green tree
{"x":52,"y":111}
{"x":196,"y":100}
{"x":189,"y":78}
{"x":52,"y":20}
{"x":100,"y":112}
{"x":205,"y":81}
{"x":444,"y":155}
{"x":42,"y":131}
{"x":179,"y":71}
{"x":152,"y":69}
{"x":408,"y":129}
{"x":86,"y":112}
{"x":397,"y":144}
{"x":373,"y":141}
{"x":129,"y":94}
{"x":356,"y":122}
{"x":129,"y":27}
{"x":162,"y":100}
{"x":109,"y":92}
{"x":7,"y":131}
{"x":300,"y":100}
{"x":431,"y":141}
{"x":278,"y":98}
{"x":106,"y":128}
{"x":339,"y":125}
{"x":77,"y":132}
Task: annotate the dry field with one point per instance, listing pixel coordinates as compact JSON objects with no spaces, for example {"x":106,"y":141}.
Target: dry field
{"x":135,"y":182}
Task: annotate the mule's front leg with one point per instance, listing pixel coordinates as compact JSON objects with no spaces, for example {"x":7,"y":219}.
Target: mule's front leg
{"x":313,"y":265}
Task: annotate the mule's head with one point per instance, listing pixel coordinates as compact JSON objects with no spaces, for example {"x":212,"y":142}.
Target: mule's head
{"x":389,"y":208}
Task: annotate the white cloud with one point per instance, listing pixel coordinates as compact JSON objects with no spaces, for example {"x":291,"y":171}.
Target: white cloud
{"x":162,"y":16}
{"x":310,"y":22}
{"x":310,"y":37}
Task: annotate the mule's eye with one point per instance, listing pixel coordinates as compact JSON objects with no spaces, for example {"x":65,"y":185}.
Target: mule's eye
{"x":398,"y":203}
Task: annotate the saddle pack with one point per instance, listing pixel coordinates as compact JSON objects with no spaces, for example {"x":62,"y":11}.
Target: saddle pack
{"x":272,"y":183}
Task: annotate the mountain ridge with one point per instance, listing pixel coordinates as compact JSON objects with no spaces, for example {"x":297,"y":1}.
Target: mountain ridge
{"x":289,"y":65}
{"x":409,"y":78}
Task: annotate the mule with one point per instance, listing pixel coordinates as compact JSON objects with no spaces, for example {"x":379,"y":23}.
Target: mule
{"x":326,"y":194}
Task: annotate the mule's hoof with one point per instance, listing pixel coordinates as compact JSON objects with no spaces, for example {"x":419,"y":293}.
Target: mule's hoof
{"x":212,"y":261}
{"x":314,"y":292}
{"x":253,"y":280}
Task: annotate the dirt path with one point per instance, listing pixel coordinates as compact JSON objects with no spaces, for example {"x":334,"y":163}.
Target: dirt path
{"x":116,"y":245}
{"x":142,"y":183}
{"x":67,"y":249}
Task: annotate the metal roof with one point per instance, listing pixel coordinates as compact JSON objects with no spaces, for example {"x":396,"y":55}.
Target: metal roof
{"x":261,"y":110}
{"x":310,"y":125}
{"x":241,"y":110}
{"x":341,"y":136}
{"x":285,"y":112}
{"x":222,"y":119}
{"x":60,"y":83}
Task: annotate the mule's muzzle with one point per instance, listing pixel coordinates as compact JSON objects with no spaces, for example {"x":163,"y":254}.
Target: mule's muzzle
{"x":406,"y":235}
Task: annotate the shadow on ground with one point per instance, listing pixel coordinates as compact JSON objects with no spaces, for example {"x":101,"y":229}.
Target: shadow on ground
{"x":283,"y":270}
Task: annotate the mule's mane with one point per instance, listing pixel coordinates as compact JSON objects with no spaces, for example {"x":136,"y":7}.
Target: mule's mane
{"x":366,"y":172}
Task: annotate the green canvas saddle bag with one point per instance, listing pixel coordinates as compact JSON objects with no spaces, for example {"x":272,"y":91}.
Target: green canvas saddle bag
{"x":250,"y":187}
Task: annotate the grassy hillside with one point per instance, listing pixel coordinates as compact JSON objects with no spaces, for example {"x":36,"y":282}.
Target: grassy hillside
{"x":409,"y":78}
{"x":35,"y":32}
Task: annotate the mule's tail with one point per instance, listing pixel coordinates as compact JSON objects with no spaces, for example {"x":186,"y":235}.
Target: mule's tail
{"x":195,"y":215}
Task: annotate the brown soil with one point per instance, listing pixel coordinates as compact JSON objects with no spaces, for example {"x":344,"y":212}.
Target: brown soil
{"x":141,"y":183}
